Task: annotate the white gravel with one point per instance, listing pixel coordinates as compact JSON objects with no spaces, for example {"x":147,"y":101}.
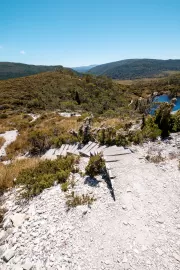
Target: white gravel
{"x":9,"y":136}
{"x":139,"y":230}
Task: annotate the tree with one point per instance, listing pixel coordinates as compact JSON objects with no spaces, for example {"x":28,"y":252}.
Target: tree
{"x":163,"y":117}
{"x":77,"y":98}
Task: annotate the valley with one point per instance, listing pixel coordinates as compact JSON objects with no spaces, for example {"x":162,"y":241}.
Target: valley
{"x":83,"y":166}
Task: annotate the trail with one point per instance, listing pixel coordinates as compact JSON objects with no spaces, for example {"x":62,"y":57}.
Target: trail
{"x":139,"y":230}
{"x":9,"y":136}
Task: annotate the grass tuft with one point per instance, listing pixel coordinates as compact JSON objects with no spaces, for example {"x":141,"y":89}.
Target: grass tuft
{"x":75,"y":200}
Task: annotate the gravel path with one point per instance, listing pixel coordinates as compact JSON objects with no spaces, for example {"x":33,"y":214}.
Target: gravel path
{"x":139,"y":230}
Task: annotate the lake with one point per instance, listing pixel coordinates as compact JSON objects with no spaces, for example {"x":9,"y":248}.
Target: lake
{"x":165,"y":98}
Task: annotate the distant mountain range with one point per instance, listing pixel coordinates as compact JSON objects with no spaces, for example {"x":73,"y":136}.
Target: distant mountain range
{"x":83,"y":69}
{"x":123,"y":70}
{"x":136,"y":68}
{"x":10,"y":70}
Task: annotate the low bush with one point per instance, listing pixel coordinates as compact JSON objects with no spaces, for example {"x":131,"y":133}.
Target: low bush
{"x":68,"y":184}
{"x":63,"y":139}
{"x":3,"y":116}
{"x":175,"y":122}
{"x":65,"y":186}
{"x":35,"y":180}
{"x":95,"y":166}
{"x":39,"y":141}
{"x":155,"y":159}
{"x":75,"y":200}
{"x":149,"y":131}
{"x":10,"y":172}
{"x":163,"y":118}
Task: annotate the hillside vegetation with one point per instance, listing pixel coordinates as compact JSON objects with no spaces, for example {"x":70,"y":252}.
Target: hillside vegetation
{"x":169,"y":85}
{"x":10,"y":70}
{"x":64,"y":90}
{"x":136,"y":68}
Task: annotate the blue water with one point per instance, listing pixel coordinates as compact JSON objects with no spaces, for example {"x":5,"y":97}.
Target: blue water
{"x":164,"y":98}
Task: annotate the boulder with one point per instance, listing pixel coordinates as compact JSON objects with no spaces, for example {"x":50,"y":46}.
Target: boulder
{"x":17,"y":219}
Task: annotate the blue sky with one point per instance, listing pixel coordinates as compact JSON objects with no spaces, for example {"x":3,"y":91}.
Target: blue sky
{"x":84,"y":32}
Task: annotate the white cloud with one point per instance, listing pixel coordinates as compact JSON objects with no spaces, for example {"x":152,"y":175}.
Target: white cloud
{"x":22,"y":52}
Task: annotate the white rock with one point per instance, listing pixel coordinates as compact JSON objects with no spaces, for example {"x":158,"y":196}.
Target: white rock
{"x":18,"y":219}
{"x":2,"y":249}
{"x":159,"y":251}
{"x":136,"y":251}
{"x":17,"y":267}
{"x":8,"y":255}
{"x":7,"y":224}
{"x":3,"y":235}
{"x":160,"y":220}
{"x":28,"y":266}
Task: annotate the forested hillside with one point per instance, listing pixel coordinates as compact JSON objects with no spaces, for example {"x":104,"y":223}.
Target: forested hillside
{"x":63,"y":90}
{"x":136,"y":68}
{"x":15,"y":70}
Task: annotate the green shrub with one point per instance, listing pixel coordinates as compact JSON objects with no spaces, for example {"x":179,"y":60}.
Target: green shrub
{"x":3,"y":116}
{"x":65,"y":186}
{"x":34,"y":103}
{"x":68,"y":184}
{"x":175,"y":122}
{"x":57,"y":141}
{"x":162,"y":118}
{"x":137,"y":137}
{"x":122,"y":139}
{"x":40,"y":141}
{"x":62,"y":176}
{"x":43,"y":176}
{"x":151,"y":130}
{"x":75,"y":200}
{"x":95,"y":166}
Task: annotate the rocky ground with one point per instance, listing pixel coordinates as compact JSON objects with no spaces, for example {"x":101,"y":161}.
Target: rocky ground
{"x":137,"y":229}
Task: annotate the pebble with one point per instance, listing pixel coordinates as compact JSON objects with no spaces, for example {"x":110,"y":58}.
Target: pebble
{"x":160,"y":220}
{"x":136,"y":251}
{"x":159,"y":251}
{"x":28,"y":266}
{"x":125,"y":223}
